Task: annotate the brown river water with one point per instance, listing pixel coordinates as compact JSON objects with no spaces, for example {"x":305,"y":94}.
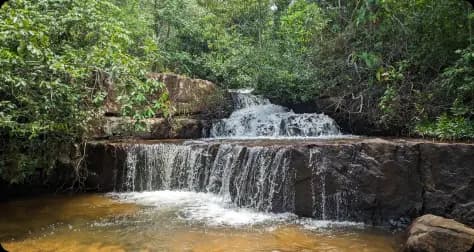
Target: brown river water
{"x":172,"y":221}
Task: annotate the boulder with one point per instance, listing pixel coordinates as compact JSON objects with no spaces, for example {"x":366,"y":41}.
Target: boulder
{"x":193,"y":104}
{"x":187,"y":96}
{"x":179,"y":128}
{"x":431,"y":233}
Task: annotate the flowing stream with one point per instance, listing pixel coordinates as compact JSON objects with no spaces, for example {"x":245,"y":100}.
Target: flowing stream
{"x":232,"y":192}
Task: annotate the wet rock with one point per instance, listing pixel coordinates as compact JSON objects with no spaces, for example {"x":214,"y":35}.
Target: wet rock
{"x":105,"y":165}
{"x":431,"y":233}
{"x":303,"y":188}
{"x":448,"y":177}
{"x":368,"y":182}
{"x":375,"y":181}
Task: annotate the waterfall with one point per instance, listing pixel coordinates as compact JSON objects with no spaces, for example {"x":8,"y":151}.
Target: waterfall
{"x":257,"y":117}
{"x":254,"y":177}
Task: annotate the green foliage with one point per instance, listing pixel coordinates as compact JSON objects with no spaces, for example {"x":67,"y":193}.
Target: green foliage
{"x":455,"y":99}
{"x":57,"y":56}
{"x":300,"y":24}
{"x":446,"y":127}
{"x":457,"y":82}
{"x":387,"y":62}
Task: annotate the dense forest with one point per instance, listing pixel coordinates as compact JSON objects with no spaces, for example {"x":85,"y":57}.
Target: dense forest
{"x":407,"y":67}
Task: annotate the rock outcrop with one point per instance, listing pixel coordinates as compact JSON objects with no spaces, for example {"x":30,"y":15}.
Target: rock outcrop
{"x":187,"y":96}
{"x":153,"y":128}
{"x":376,"y":181}
{"x":193,"y":104}
{"x":430,"y":233}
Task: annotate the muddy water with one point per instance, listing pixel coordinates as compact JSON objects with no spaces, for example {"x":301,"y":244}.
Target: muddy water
{"x":172,"y":221}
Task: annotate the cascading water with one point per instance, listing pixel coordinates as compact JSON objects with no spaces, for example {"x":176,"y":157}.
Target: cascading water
{"x":259,"y":177}
{"x":257,"y":117}
{"x":254,"y":177}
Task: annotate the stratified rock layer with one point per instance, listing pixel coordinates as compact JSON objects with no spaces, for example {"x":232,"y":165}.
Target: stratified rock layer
{"x":381,"y":182}
{"x":153,"y":128}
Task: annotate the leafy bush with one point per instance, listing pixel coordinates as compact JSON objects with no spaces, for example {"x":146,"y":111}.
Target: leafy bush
{"x":56,"y":57}
{"x":447,"y":127}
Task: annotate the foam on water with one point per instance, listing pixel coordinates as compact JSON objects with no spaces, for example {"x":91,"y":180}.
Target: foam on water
{"x":300,"y":138}
{"x":208,"y":208}
{"x":314,"y":224}
{"x":256,"y":116}
{"x":213,"y":210}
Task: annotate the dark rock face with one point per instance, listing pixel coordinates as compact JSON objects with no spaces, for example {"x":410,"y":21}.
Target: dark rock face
{"x":303,"y":183}
{"x":368,"y":180}
{"x":430,"y":233}
{"x":106,"y":163}
{"x":448,"y":176}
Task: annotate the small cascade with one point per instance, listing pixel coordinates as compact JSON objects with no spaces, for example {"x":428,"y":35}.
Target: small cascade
{"x":254,"y":177}
{"x":257,"y":117}
{"x":243,"y":98}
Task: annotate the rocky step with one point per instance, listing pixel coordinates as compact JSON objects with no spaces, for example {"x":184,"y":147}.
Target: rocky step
{"x":376,"y":181}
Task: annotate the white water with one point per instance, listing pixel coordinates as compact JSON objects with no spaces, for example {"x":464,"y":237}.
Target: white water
{"x":213,"y":210}
{"x":257,"y":117}
{"x":211,"y":179}
{"x":256,"y":177}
